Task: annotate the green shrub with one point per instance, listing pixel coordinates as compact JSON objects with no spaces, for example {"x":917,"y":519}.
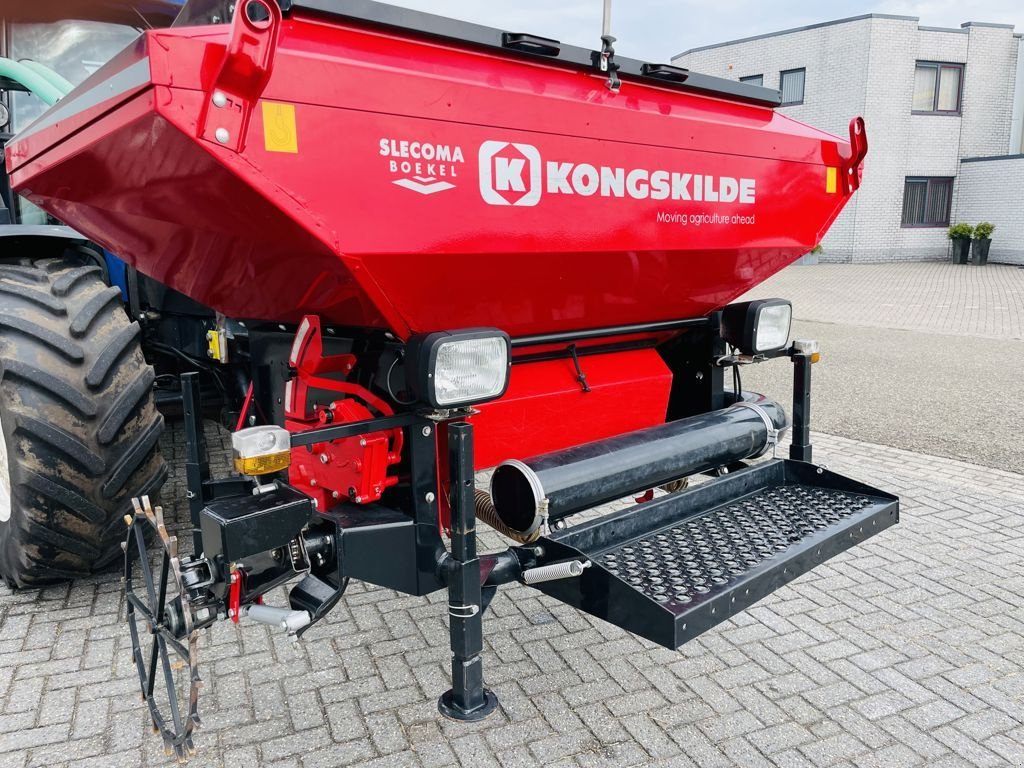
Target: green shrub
{"x":960,"y":232}
{"x":984,"y":230}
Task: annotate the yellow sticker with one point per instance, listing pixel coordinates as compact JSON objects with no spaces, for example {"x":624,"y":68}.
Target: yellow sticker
{"x":830,"y":180}
{"x":279,"y":133}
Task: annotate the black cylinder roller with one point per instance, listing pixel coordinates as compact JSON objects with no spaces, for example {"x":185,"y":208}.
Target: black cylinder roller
{"x":564,"y":482}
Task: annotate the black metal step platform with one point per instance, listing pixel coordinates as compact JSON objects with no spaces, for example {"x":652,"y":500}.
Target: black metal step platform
{"x":672,"y":568}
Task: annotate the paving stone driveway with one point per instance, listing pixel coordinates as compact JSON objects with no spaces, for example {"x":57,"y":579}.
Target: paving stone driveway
{"x":940,"y":297}
{"x":906,"y":651}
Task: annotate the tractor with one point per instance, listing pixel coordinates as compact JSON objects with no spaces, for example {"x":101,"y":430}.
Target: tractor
{"x":429,"y":248}
{"x":75,"y":450}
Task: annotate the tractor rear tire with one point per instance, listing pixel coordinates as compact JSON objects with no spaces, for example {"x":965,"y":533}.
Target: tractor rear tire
{"x":79,"y":431}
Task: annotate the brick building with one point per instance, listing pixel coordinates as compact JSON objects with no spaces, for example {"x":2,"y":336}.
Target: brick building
{"x":944,"y":110}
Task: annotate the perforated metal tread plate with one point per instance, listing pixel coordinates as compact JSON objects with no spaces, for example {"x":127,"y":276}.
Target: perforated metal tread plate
{"x":681,"y":564}
{"x":672,"y":568}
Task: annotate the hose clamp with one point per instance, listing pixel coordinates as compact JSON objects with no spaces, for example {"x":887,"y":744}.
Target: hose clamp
{"x":772,"y":440}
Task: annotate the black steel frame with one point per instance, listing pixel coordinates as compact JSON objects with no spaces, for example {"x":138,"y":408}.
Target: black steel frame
{"x":413,"y":527}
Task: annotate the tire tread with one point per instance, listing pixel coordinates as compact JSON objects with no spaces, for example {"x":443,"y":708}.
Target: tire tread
{"x":78,"y":416}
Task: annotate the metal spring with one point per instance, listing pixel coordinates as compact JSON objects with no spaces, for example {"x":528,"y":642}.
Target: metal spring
{"x":567,"y":570}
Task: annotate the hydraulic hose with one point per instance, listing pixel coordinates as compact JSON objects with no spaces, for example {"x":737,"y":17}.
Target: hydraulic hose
{"x":52,"y":77}
{"x":30,"y":79}
{"x":550,"y":487}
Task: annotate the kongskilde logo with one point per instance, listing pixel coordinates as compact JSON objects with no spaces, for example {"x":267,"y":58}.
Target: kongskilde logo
{"x":510,"y":174}
{"x":514,"y":174}
{"x":423,"y":167}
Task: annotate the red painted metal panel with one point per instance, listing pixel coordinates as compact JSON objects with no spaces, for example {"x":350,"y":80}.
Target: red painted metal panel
{"x":546,"y":409}
{"x":431,"y":186}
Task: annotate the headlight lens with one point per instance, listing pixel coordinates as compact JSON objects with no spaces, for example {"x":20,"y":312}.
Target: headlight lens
{"x":470,"y":370}
{"x":772,"y":329}
{"x":456,"y":368}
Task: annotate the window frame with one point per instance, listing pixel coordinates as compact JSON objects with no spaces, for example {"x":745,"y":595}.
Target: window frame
{"x":938,"y":66}
{"x":927,"y":196}
{"x":753,"y":79}
{"x":803,"y":90}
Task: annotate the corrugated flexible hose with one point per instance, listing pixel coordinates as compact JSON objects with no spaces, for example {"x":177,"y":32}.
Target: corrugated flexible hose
{"x":485,"y":512}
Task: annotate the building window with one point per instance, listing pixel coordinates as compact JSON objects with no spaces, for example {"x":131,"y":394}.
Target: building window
{"x":791,"y":83}
{"x":937,"y":88}
{"x":753,"y":79}
{"x":926,"y":201}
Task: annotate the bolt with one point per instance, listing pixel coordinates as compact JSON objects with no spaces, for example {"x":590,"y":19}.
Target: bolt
{"x":362,"y":442}
{"x":426,"y":431}
{"x":222,"y":135}
{"x":430,"y":497}
{"x":231,"y":613}
{"x":313,"y":482}
{"x":324,"y":458}
{"x":358,"y":499}
{"x":335,"y":495}
{"x":219,"y":99}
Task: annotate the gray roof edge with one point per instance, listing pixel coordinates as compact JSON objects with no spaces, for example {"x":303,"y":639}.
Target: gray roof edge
{"x":960,"y":31}
{"x":993,"y":25}
{"x":991,"y":157}
{"x":819,"y":25}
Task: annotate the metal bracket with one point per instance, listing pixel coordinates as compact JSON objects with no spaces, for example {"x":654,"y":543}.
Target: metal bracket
{"x":243,"y":74}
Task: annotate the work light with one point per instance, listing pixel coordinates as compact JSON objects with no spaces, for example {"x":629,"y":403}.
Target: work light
{"x":757,"y":327}
{"x":450,"y":369}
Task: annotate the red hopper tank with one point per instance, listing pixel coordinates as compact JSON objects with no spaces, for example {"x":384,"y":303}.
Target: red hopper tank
{"x":352,"y":167}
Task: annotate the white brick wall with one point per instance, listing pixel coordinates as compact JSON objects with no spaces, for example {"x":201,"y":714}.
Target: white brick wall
{"x":993,"y":190}
{"x":865,"y":66}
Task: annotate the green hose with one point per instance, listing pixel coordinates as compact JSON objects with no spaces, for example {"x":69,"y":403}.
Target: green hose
{"x":30,"y":79}
{"x":57,"y":81}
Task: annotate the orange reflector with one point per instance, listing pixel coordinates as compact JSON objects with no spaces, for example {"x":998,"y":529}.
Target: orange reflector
{"x":815,"y":357}
{"x":263,"y":465}
{"x":831,"y":176}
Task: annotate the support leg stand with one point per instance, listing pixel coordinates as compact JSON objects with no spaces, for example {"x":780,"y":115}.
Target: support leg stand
{"x":467,"y":699}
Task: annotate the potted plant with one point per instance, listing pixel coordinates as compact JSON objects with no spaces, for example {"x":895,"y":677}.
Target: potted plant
{"x":960,"y":235}
{"x":982,"y":242}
